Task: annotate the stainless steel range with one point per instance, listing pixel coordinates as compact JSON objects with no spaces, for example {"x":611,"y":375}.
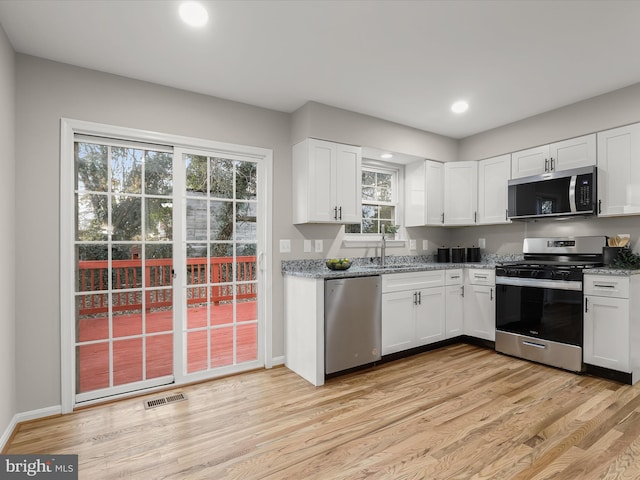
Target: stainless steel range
{"x":539,"y":300}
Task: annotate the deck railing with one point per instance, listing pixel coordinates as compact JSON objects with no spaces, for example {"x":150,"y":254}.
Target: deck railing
{"x":93,"y":277}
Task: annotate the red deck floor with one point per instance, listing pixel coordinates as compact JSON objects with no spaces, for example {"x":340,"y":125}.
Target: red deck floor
{"x":93,"y":359}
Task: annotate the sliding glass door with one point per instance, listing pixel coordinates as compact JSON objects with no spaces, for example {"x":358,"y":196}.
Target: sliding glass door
{"x":221,"y":288}
{"x":163,"y":261}
{"x":124,"y":267}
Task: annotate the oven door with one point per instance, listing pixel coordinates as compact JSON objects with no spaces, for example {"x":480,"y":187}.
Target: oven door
{"x":540,"y":320}
{"x":545,"y":309}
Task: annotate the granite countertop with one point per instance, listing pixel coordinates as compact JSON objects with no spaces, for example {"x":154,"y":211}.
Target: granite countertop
{"x":621,"y":272}
{"x":361,"y":267}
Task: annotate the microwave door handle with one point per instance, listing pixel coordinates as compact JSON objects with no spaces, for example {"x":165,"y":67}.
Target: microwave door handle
{"x":572,"y":194}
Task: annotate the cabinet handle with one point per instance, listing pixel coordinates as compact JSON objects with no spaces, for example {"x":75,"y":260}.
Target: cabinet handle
{"x":340,"y":213}
{"x":599,"y":206}
{"x":335,"y":213}
{"x":603,"y":286}
{"x":463,"y":290}
{"x":442,"y":217}
{"x":506,"y":214}
{"x":419,"y":298}
{"x":491,"y":294}
{"x":475,"y":217}
{"x":480,"y":276}
{"x":586,"y":305}
{"x":415,"y":298}
{"x":546,"y":164}
{"x":552,"y":166}
{"x":455,"y":276}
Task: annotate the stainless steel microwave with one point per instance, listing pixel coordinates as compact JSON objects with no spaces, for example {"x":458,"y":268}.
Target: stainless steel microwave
{"x":557,"y":194}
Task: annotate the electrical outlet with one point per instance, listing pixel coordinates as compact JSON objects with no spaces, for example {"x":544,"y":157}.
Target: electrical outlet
{"x":412,"y":244}
{"x":285,"y":245}
{"x":307,"y":246}
{"x":482,"y":243}
{"x":319,"y":247}
{"x":425,"y":245}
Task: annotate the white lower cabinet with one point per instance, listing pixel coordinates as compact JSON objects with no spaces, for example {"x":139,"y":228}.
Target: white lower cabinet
{"x":454,"y":309}
{"x":413,"y":310}
{"x":612,"y":323}
{"x":480,"y":303}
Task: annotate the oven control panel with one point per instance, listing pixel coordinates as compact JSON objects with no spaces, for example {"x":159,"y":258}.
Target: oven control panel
{"x":561,"y":243}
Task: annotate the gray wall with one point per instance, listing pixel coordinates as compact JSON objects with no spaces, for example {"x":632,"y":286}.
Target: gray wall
{"x":7,"y":239}
{"x":47,"y":91}
{"x":620,"y":107}
{"x":329,"y":123}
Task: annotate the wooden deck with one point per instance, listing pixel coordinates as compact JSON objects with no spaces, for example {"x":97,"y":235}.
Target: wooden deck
{"x":460,"y":412}
{"x":128,"y":352}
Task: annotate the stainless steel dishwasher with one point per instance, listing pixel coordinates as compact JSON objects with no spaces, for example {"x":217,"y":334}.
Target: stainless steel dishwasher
{"x":352,"y":322}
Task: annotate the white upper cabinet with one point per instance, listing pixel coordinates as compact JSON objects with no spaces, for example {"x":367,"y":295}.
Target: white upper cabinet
{"x":532,"y":161}
{"x":424,"y":193}
{"x":619,"y":171}
{"x":460,"y":193}
{"x":572,"y":153}
{"x":493,"y":177}
{"x":327,"y":182}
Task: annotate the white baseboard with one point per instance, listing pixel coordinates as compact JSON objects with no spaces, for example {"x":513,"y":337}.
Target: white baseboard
{"x":25,"y":417}
{"x":6,"y":435}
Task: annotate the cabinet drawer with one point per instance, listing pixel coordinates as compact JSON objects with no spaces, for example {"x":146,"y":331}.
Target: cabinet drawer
{"x":606,"y":286}
{"x":453,"y":277}
{"x":397,"y":282}
{"x":481,"y":276}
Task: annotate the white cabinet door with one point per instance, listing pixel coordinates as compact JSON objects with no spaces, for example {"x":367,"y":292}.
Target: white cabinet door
{"x":398,"y":321}
{"x":493,"y":178}
{"x":619,"y":171}
{"x":318,"y":190}
{"x":567,"y":154}
{"x":460,"y":193}
{"x":415,"y":203}
{"x":424,"y":193}
{"x":480,"y":311}
{"x":327,"y":182}
{"x":532,"y":161}
{"x":454,"y":317}
{"x":606,"y":332}
{"x":573,"y":153}
{"x":435,"y":192}
{"x":430,"y":315}
{"x":348,"y":183}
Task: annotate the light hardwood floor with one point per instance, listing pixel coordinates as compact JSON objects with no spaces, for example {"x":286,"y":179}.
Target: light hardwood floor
{"x":461,"y":412}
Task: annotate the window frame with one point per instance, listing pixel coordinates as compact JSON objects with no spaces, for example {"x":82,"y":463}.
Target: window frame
{"x":397,"y":194}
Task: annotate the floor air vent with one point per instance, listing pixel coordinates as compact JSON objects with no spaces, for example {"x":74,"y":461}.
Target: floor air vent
{"x":158,"y":402}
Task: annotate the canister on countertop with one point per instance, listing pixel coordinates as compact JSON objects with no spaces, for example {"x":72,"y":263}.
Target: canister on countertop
{"x":443,"y":255}
{"x":473,"y":254}
{"x":457,"y":255}
{"x":609,"y":254}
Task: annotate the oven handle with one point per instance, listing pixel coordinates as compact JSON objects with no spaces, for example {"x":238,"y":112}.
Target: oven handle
{"x":540,"y":283}
{"x":536,"y":345}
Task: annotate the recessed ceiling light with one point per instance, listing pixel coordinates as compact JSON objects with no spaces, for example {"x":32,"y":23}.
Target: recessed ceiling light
{"x":459,"y":107}
{"x":194,"y":14}
{"x":386,"y":155}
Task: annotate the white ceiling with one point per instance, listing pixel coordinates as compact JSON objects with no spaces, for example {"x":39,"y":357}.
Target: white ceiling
{"x":404,"y":61}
